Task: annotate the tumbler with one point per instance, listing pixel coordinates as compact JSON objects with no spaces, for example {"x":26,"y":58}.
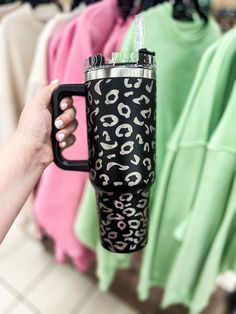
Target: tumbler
{"x":121,"y":130}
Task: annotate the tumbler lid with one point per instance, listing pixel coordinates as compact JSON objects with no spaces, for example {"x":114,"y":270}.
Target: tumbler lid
{"x":142,"y":58}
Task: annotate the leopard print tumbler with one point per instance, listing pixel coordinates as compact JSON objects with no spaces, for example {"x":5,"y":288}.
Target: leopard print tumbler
{"x":121,"y":136}
{"x":121,"y":129}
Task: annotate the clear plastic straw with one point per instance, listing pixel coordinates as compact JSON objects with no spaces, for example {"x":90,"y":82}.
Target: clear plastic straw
{"x":139,"y":32}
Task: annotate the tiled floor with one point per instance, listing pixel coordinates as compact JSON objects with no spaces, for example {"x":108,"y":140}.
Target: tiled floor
{"x":30,"y":282}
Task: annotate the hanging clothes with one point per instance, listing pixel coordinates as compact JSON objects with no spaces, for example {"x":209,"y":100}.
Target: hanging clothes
{"x":38,"y":74}
{"x":151,"y":274}
{"x":39,"y":70}
{"x":8,"y":8}
{"x":225,"y":236}
{"x":211,"y":197}
{"x":177,"y":189}
{"x":17,"y":47}
{"x":59,"y":193}
{"x":228,"y":259}
{"x":179,"y":47}
{"x":58,"y":51}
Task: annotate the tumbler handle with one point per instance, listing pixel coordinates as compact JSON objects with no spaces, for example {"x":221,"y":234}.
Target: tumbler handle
{"x":65,"y":90}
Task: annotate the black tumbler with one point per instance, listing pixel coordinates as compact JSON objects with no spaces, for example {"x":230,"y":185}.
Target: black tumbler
{"x":121,"y":128}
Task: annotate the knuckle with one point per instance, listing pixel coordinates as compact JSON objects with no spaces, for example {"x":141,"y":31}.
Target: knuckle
{"x":71,"y":139}
{"x":74,"y":125}
{"x":68,"y":115}
{"x":71,"y":113}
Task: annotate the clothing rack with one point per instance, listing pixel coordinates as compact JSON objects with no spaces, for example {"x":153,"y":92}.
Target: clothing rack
{"x":126,"y":282}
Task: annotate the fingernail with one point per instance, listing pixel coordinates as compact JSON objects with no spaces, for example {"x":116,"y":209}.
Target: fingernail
{"x":59,"y":124}
{"x":63,"y":144}
{"x":64,"y":106}
{"x":61,"y":137}
{"x":55,"y":82}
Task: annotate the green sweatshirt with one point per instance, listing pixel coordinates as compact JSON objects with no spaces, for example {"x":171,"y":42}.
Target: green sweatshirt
{"x":173,"y":202}
{"x":151,"y":272}
{"x":213,"y":219}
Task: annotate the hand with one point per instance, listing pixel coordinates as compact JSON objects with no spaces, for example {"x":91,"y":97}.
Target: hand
{"x":35,"y":125}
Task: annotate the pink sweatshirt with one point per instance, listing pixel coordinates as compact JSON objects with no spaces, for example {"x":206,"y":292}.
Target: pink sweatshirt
{"x":59,"y":192}
{"x":59,"y":47}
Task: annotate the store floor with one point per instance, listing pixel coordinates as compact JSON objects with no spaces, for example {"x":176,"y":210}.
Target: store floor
{"x":31,"y":282}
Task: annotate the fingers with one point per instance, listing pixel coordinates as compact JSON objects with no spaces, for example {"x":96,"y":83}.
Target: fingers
{"x":66,"y":123}
{"x":65,"y":133}
{"x":66,"y":103}
{"x":68,"y":142}
{"x":65,"y":119}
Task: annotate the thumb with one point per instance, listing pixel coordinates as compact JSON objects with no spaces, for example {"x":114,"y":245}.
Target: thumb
{"x":42,"y":99}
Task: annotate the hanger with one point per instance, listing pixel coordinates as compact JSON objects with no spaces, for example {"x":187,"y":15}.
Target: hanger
{"x":198,"y":9}
{"x":7,"y":1}
{"x":146,"y":4}
{"x":125,"y":7}
{"x":76,"y":3}
{"x":182,"y":10}
{"x":88,"y":2}
{"x":34,"y":3}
